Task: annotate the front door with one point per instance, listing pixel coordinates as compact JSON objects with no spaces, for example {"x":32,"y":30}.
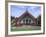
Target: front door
{"x":26,"y":21}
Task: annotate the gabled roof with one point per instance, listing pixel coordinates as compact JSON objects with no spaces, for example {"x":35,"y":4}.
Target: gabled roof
{"x":26,"y":14}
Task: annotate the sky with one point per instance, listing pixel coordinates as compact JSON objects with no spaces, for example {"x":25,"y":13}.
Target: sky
{"x":17,"y":10}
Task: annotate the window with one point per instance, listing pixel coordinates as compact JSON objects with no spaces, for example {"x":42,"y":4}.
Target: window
{"x":24,"y":21}
{"x":29,"y":21}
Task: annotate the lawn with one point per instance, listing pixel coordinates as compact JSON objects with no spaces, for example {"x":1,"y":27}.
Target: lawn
{"x":25,"y":28}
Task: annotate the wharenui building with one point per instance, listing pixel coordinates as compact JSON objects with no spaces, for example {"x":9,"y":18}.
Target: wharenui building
{"x":25,"y":19}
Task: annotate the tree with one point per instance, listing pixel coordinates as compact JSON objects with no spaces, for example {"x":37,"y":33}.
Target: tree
{"x":12,"y":18}
{"x":39,"y":20}
{"x":13,"y":21}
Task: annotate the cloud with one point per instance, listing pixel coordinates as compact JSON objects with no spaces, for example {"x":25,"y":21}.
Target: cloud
{"x":33,"y":7}
{"x":18,"y":10}
{"x":35,"y":11}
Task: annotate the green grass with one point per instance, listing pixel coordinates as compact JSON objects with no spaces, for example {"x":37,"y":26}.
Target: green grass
{"x":25,"y":29}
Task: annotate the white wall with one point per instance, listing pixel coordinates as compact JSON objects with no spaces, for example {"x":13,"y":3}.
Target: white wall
{"x":32,"y":21}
